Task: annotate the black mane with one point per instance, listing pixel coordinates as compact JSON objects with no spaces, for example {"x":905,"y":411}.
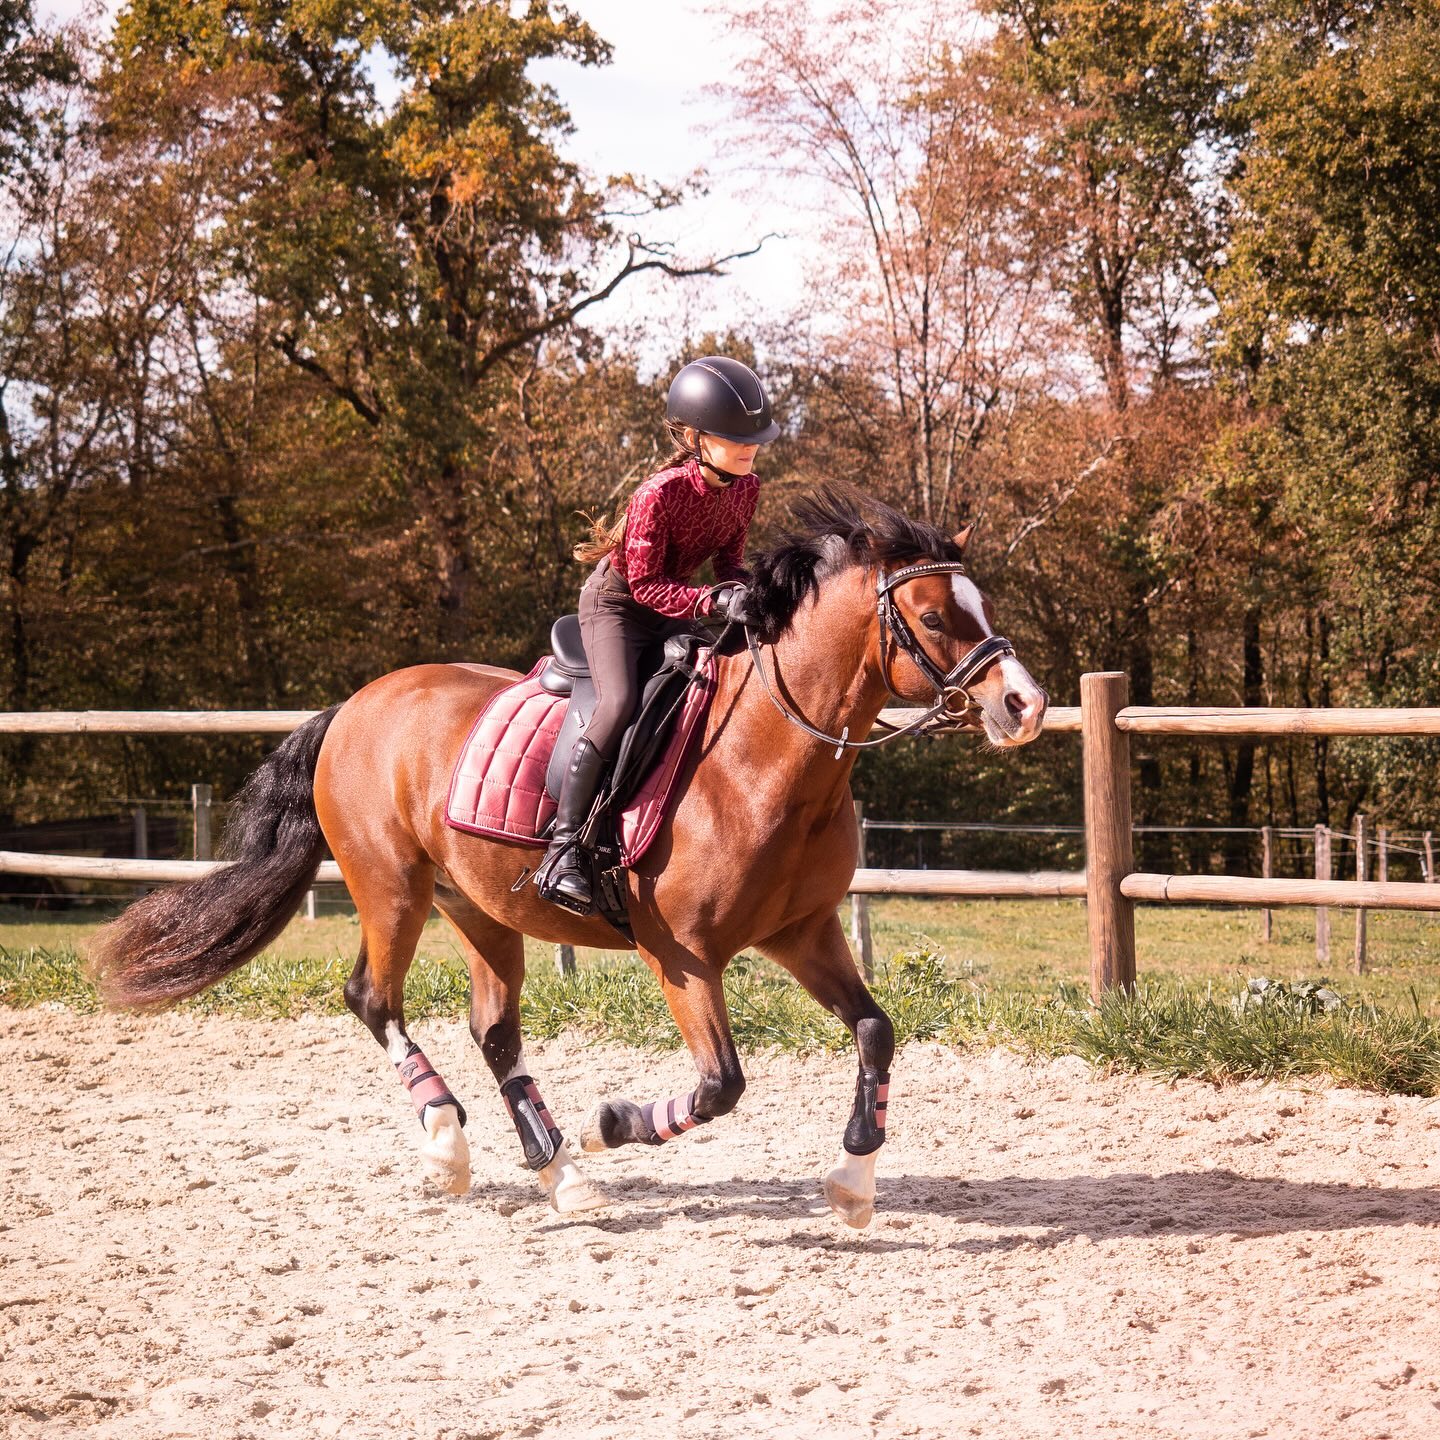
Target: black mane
{"x":867,"y":530}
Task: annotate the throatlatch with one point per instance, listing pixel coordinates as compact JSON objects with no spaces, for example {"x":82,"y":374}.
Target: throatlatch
{"x":866,"y":1131}
{"x":537,"y":1131}
{"x":423,"y":1082}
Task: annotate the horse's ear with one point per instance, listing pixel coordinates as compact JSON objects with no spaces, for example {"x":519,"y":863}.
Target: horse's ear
{"x":962,"y":537}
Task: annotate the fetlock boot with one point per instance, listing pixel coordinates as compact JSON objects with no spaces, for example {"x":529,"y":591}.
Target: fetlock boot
{"x":565,"y":873}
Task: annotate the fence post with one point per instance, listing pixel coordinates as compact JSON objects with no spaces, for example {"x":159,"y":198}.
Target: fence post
{"x":1361,"y":914}
{"x":565,"y":959}
{"x":1382,"y":854}
{"x":200,"y":806}
{"x":1267,"y":869}
{"x":860,"y":908}
{"x":1429,"y":858}
{"x":1109,"y":842}
{"x":1322,"y":912}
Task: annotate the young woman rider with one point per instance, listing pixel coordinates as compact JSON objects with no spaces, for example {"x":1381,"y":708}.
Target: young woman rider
{"x":697,"y":508}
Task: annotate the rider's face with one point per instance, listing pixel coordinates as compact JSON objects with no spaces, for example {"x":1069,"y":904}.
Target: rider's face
{"x":732,"y":458}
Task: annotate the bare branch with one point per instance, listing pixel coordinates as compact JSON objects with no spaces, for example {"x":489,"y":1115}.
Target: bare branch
{"x":1061,"y":492}
{"x":288,"y":346}
{"x":557,"y":319}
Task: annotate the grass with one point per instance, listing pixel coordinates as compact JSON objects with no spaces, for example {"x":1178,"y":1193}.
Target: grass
{"x":963,"y":973}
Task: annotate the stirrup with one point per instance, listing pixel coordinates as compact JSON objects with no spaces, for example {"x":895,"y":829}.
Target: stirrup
{"x":547,"y":881}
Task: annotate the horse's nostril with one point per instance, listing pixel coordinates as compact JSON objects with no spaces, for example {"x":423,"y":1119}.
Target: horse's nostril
{"x":1015,"y":703}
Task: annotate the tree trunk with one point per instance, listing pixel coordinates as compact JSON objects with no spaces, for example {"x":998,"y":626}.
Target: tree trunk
{"x":1141,"y":665}
{"x":1243,"y":778}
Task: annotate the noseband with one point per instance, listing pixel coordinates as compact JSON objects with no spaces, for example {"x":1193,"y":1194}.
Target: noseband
{"x":953,"y":701}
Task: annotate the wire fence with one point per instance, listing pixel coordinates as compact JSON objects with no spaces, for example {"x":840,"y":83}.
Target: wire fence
{"x":1183,"y":849}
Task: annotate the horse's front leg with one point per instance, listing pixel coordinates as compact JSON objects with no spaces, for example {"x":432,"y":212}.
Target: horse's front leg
{"x":816,"y":953}
{"x":693,"y":991}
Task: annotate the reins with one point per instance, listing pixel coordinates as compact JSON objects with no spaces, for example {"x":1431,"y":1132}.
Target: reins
{"x":952,"y":698}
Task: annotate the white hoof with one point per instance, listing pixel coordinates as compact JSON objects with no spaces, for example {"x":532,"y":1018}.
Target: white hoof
{"x":850,"y":1189}
{"x":567,"y":1190}
{"x":445,"y":1153}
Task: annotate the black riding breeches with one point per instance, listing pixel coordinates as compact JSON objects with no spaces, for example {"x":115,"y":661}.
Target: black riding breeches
{"x":617,"y":631}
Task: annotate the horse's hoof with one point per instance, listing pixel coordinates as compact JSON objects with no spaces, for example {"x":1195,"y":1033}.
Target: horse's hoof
{"x":611,"y":1124}
{"x":445,"y":1153}
{"x":567,"y":1190}
{"x":592,"y":1138}
{"x":857,"y":1211}
{"x":577,"y":1195}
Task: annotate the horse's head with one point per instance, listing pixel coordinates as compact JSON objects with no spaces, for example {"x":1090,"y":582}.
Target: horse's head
{"x":934,"y":641}
{"x":938,"y":643}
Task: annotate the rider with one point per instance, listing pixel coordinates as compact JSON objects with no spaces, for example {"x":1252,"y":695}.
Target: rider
{"x":697,"y":508}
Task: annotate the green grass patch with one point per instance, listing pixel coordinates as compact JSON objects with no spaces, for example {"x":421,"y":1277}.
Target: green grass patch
{"x":987,"y":973}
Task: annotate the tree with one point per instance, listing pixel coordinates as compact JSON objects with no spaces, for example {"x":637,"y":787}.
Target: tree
{"x":1330,"y":319}
{"x":927,"y":192}
{"x":406,"y":256}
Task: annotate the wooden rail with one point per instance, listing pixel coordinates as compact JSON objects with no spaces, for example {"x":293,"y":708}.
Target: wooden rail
{"x":1109,"y":882}
{"x":1241,"y":890}
{"x":1061,"y":719}
{"x":153,"y":722}
{"x":997,"y":883}
{"x":135,"y":872}
{"x":1242,"y":720}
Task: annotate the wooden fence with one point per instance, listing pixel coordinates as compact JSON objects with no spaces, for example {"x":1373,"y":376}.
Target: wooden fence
{"x":1109,"y":883}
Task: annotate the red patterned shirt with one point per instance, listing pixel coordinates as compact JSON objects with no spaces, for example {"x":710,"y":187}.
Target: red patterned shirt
{"x":674,"y":523}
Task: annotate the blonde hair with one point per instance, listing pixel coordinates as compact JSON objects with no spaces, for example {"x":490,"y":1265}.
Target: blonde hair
{"x":607,"y":532}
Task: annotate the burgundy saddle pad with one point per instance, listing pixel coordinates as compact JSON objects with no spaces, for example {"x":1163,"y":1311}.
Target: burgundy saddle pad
{"x":498,"y":788}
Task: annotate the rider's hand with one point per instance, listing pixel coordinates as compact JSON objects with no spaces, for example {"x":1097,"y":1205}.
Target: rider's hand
{"x":727,"y":602}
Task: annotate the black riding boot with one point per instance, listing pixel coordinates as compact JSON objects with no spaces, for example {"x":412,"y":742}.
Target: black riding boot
{"x":565,"y":877}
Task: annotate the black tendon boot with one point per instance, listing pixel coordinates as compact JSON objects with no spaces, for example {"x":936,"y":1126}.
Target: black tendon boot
{"x":565,"y":872}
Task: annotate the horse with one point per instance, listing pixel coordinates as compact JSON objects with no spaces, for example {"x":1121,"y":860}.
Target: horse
{"x":857,"y":604}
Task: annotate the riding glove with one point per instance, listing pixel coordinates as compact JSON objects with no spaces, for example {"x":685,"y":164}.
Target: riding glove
{"x":728,"y":602}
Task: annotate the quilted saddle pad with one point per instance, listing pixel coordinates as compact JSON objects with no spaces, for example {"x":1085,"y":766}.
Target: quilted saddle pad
{"x":498,"y":788}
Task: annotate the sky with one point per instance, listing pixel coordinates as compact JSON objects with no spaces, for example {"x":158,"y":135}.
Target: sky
{"x":648,"y":113}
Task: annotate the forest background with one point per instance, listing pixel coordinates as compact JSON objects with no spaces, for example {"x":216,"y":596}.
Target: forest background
{"x":303,"y":375}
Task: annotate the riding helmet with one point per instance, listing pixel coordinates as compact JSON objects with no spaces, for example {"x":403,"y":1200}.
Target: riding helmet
{"x":722,"y":397}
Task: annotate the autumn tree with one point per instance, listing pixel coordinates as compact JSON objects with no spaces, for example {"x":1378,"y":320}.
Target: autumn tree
{"x":411,"y":255}
{"x":934,"y":321}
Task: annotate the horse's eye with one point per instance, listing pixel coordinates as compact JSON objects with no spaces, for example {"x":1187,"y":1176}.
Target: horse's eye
{"x":931,"y":620}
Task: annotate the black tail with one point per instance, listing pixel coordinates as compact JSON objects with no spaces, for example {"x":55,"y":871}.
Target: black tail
{"x":176,"y":942}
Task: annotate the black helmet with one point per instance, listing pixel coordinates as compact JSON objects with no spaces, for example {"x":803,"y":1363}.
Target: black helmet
{"x":721,"y":397}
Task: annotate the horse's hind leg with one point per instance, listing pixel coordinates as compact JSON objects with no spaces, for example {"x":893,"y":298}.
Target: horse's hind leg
{"x":693,"y":990}
{"x":496,"y":957}
{"x":393,"y":909}
{"x":815,"y":952}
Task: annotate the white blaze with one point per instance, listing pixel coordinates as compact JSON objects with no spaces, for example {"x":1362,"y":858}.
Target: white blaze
{"x":967,"y":597}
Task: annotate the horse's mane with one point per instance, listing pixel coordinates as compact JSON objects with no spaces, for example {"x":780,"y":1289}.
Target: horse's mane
{"x":833,"y":528}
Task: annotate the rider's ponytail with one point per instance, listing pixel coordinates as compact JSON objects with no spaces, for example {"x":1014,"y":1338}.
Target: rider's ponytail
{"x":607,"y":532}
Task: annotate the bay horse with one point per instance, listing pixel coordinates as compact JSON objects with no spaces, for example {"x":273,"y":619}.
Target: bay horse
{"x":858,"y":603}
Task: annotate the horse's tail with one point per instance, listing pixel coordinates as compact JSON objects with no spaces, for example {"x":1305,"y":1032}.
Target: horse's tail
{"x":174,"y":942}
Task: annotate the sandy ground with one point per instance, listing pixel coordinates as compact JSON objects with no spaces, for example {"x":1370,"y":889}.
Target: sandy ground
{"x":216,"y":1228}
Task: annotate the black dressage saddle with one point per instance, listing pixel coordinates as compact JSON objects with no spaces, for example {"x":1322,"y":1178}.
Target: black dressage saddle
{"x":671,"y":667}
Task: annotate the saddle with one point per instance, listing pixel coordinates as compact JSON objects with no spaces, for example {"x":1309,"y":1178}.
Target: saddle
{"x":509,"y":772}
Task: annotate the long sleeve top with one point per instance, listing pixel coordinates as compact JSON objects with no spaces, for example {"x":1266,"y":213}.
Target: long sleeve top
{"x":673,"y":524}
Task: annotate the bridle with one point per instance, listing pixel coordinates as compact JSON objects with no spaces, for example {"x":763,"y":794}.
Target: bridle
{"x":953,"y":701}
